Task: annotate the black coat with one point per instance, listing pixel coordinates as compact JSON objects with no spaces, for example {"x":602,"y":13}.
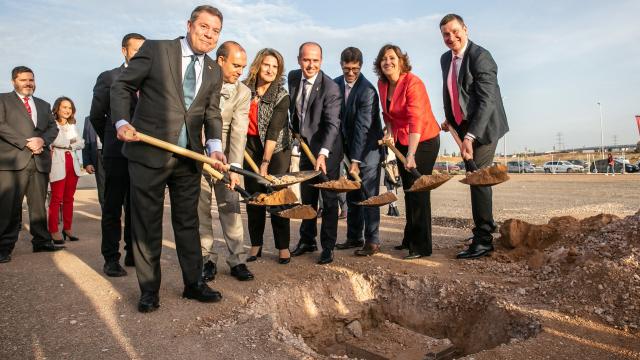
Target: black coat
{"x":360,"y":118}
{"x":480,"y":97}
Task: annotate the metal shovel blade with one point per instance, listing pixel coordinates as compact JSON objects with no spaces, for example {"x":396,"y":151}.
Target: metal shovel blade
{"x":302,"y":212}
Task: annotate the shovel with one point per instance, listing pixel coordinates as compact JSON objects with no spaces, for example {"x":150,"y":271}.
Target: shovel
{"x":295,"y":211}
{"x":284,"y":180}
{"x":338,"y":186}
{"x":208,"y":163}
{"x":492,"y":175}
{"x":371,"y":201}
{"x":423,"y":182}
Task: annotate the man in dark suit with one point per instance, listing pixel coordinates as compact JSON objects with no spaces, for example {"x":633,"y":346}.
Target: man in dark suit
{"x":116,"y":167}
{"x":361,"y":129}
{"x":315,"y":115}
{"x":473,"y":108}
{"x":27,"y":129}
{"x":179,"y":94}
{"x":92,"y":157}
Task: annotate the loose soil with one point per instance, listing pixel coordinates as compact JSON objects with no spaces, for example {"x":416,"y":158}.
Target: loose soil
{"x":579,"y":299}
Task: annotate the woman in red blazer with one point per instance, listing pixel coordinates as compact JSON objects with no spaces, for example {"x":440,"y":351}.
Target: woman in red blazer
{"x":406,"y":110}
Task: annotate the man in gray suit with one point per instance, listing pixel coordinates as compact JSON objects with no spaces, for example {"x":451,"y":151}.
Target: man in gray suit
{"x":27,"y":128}
{"x":234,"y":105}
{"x":473,"y":108}
{"x":179,"y":94}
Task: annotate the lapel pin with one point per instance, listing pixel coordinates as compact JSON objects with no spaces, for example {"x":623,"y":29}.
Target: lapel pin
{"x":209,"y":67}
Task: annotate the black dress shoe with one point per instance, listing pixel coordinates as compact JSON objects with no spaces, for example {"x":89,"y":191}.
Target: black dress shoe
{"x":414,"y":255}
{"x":66,"y":236}
{"x":209,"y":271}
{"x":202,"y":293}
{"x":149,"y":301}
{"x":326,"y":257}
{"x":241,"y":272}
{"x":475,"y":251}
{"x":5,"y":258}
{"x":255,"y":257}
{"x":284,"y":261}
{"x":302,"y":248}
{"x":350,"y":244}
{"x":46,"y":247}
{"x":58,"y":242}
{"x":128,"y":259}
{"x":400,"y":247}
{"x":113,"y":269}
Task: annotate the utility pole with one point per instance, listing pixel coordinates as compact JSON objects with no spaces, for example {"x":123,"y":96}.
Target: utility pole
{"x":601,"y":130}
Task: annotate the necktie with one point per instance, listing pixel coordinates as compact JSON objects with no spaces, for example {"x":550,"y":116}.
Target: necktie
{"x":455,"y":102}
{"x":189,"y":91}
{"x":347,"y":91}
{"x":303,"y":100}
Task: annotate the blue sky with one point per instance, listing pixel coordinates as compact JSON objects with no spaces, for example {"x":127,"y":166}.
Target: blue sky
{"x":556,"y":59}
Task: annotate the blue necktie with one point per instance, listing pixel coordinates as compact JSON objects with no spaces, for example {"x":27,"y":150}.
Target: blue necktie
{"x":189,"y":91}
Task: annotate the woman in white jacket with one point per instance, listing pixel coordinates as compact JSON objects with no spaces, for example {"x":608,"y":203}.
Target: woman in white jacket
{"x":65,"y":169}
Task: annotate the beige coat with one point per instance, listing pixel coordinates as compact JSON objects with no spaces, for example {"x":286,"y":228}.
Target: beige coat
{"x":234,"y":105}
{"x":66,"y":133}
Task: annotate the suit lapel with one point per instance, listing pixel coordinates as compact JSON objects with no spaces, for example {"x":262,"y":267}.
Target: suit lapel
{"x":22,"y":109}
{"x":43,"y":117}
{"x":174,"y":53}
{"x":207,"y":73}
{"x":314,"y":92}
{"x":342,"y":87}
{"x":352,"y":94}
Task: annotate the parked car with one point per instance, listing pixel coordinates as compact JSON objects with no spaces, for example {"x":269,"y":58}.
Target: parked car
{"x":445,"y":166}
{"x":601,"y":165}
{"x":579,"y":162}
{"x":461,"y":165}
{"x":520,"y":167}
{"x":561,"y":167}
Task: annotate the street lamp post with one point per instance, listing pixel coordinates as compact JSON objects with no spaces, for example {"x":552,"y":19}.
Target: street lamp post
{"x":601,"y":130}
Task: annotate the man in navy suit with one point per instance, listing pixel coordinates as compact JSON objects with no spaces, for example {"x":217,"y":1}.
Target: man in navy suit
{"x":27,"y":129}
{"x":361,"y":129}
{"x":473,"y":108}
{"x":116,"y":166}
{"x":315,"y":115}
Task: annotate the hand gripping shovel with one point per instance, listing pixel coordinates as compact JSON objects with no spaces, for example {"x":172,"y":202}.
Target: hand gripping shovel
{"x":423,"y":182}
{"x":339,"y":186}
{"x":283,"y":180}
{"x":488,"y":176}
{"x":371,"y":201}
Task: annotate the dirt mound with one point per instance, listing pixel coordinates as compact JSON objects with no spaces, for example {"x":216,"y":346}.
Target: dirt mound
{"x":589,"y":267}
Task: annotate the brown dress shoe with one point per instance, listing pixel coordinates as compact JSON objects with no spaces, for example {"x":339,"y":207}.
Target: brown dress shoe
{"x":368,"y":250}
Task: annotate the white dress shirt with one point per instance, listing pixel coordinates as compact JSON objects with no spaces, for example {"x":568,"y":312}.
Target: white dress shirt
{"x":32,"y":105}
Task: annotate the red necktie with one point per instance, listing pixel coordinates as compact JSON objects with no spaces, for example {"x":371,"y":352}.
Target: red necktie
{"x":26,"y":104}
{"x":455,"y":103}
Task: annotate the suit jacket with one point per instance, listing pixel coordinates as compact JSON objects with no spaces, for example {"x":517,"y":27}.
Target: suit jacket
{"x":100,"y":113}
{"x":90,"y":150}
{"x":360,"y":118}
{"x":410,"y":110}
{"x":235,"y":122}
{"x":321,"y":127}
{"x":479,"y":95}
{"x":60,"y":146}
{"x":16,"y":127}
{"x":156,"y":72}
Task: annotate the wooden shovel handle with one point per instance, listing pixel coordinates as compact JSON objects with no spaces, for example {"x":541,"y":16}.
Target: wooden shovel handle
{"x":399,"y":156}
{"x":251,"y":163}
{"x":176,"y":149}
{"x":306,"y":150}
{"x":355,"y":176}
{"x":469,"y":164}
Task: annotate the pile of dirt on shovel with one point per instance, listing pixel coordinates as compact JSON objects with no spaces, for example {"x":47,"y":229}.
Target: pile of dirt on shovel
{"x":430,"y":182}
{"x":341,"y":185}
{"x":588,"y":267}
{"x":281,"y":197}
{"x":491,"y":175}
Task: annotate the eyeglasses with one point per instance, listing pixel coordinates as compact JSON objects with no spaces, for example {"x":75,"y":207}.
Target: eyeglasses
{"x":347,"y":70}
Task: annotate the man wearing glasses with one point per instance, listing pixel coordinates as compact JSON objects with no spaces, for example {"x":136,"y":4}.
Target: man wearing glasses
{"x":361,"y":128}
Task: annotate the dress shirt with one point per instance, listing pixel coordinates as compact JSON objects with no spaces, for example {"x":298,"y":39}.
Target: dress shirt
{"x":32,"y":105}
{"x":458,"y":64}
{"x":302,"y":112}
{"x":212,"y":144}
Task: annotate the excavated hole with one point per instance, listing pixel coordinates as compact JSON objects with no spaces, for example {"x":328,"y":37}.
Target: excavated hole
{"x":395,"y":317}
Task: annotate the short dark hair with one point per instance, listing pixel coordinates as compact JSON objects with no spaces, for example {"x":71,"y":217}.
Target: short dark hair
{"x":225,"y":48}
{"x":19,"y":70}
{"x":405,"y":65}
{"x":309,"y":43}
{"x":351,"y":54}
{"x":449,"y":18}
{"x":205,"y":8}
{"x":56,"y":108}
{"x":129,"y":36}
